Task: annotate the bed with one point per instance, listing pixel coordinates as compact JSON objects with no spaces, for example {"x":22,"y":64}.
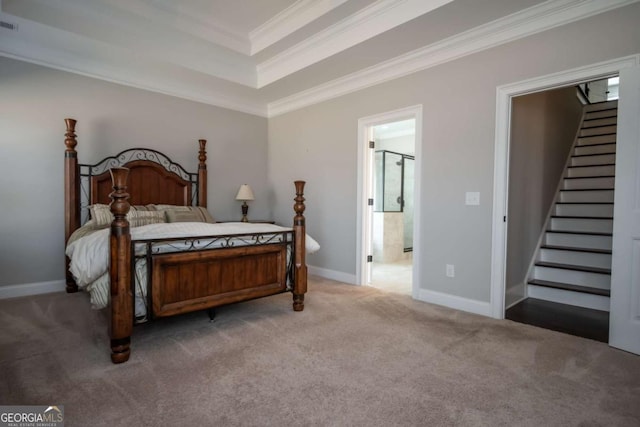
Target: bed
{"x":184,"y":266}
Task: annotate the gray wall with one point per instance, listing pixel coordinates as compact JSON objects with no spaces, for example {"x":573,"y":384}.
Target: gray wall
{"x":543,"y":128}
{"x":319,"y":144}
{"x":33,"y":104}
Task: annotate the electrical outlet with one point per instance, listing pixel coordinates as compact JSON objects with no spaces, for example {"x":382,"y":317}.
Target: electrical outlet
{"x":451,"y":272}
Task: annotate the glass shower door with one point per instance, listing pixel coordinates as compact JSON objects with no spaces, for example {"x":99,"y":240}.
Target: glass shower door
{"x":388,"y":182}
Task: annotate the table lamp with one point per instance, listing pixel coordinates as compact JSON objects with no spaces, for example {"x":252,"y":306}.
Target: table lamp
{"x":244,"y":194}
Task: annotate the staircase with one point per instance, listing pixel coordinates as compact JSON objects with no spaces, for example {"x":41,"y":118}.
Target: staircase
{"x":573,"y":261}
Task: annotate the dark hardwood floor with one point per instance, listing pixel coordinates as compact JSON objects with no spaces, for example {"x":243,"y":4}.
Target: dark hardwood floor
{"x":582,"y":322}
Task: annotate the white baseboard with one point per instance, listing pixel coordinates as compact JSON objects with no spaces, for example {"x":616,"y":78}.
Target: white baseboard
{"x":332,"y":274}
{"x":451,"y":301}
{"x":458,"y":303}
{"x":28,"y":289}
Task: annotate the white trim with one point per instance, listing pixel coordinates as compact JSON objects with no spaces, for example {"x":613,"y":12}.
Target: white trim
{"x":500,"y":203}
{"x":501,"y":159}
{"x":455,"y":302}
{"x":82,"y":56}
{"x":289,"y":20}
{"x":363,"y":193}
{"x":28,"y":289}
{"x":156,"y":11}
{"x":139,"y":82}
{"x":417,"y":204}
{"x":332,"y":274}
{"x":73,"y":53}
{"x":530,"y":21}
{"x":195,"y":54}
{"x":624,"y":321}
{"x":203,"y":27}
{"x":368,"y":22}
{"x":364,"y":124}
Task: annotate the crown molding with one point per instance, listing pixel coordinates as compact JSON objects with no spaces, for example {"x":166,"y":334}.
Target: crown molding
{"x":370,"y":21}
{"x":289,"y":20}
{"x":142,"y":81}
{"x":157,"y":12}
{"x":213,"y":32}
{"x":79,"y":55}
{"x":54,"y":48}
{"x":542,"y":17}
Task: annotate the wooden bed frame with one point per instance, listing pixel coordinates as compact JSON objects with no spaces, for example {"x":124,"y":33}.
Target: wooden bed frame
{"x":180,"y":281}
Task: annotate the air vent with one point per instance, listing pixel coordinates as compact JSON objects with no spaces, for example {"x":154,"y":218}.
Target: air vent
{"x":9,"y":25}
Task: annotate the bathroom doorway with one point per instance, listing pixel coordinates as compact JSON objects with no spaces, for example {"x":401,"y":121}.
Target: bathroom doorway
{"x":393,"y":182}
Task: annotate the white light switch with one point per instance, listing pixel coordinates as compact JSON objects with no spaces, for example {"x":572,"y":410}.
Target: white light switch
{"x":472,"y":198}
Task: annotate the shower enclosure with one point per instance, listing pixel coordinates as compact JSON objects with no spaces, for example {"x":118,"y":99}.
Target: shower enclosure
{"x":394,"y":174}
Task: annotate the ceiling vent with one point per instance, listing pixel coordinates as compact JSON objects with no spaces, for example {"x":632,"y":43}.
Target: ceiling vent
{"x":8,"y":25}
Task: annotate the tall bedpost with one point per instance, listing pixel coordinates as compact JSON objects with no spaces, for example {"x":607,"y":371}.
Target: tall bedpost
{"x":121,"y":321}
{"x":71,"y":194}
{"x":300,"y":265}
{"x":202,"y":174}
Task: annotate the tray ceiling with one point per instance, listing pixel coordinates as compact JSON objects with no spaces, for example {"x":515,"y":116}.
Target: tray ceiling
{"x":261,"y":56}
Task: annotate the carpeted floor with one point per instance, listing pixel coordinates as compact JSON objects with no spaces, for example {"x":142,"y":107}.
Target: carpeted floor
{"x":356,"y":356}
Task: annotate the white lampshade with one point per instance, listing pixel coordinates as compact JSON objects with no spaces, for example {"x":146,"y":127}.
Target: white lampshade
{"x":244,"y":193}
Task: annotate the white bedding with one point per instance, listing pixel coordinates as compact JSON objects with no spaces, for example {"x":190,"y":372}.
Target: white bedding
{"x":89,"y":255}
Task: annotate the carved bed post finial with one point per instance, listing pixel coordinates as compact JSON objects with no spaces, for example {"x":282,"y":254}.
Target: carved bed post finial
{"x":70,"y":140}
{"x":300,"y":266}
{"x":121,"y":309}
{"x":71,"y":193}
{"x":119,"y":197}
{"x":202,"y":174}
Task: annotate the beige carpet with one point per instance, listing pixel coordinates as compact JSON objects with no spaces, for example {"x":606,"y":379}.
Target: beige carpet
{"x":355,"y":357}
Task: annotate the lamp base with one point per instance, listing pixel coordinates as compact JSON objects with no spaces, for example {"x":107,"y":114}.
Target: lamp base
{"x":245,"y":211}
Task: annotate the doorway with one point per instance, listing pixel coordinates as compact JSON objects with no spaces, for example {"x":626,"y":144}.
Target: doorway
{"x":624,"y":329}
{"x":560,"y":209}
{"x":393,"y":185}
{"x":388,"y":188}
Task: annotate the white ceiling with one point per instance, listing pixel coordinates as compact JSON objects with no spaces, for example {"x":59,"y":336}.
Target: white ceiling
{"x":266,"y":57}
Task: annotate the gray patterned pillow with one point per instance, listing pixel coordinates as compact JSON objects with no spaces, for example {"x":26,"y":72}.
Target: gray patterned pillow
{"x":186,"y":213}
{"x":179,"y":215}
{"x":140,"y":218}
{"x":137,"y":216}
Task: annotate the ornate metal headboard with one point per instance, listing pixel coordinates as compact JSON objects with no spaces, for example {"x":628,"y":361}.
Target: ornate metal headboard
{"x":153,"y":178}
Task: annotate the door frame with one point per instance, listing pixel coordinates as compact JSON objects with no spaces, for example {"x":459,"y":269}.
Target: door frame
{"x":365,"y":189}
{"x":504,"y":94}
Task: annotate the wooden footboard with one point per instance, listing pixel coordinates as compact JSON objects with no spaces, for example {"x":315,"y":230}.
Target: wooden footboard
{"x":187,"y":281}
